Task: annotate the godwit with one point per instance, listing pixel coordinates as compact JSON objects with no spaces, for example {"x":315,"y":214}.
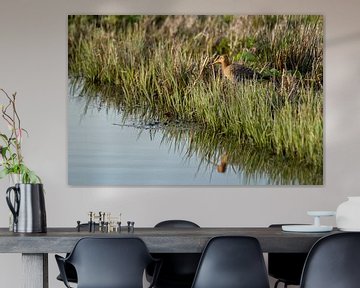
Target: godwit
{"x":235,"y":71}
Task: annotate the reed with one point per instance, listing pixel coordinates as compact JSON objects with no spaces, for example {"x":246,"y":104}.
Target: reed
{"x":159,"y":67}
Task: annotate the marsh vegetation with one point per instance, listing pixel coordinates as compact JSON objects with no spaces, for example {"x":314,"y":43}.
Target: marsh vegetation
{"x":159,"y":69}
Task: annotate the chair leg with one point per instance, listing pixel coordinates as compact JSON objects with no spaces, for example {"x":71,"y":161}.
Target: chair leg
{"x":278,"y":282}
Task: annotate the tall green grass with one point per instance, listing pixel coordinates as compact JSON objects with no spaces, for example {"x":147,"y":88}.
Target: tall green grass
{"x":160,"y":68}
{"x":193,"y":139}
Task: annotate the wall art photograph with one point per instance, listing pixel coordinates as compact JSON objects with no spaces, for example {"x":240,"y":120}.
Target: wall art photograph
{"x":195,"y":100}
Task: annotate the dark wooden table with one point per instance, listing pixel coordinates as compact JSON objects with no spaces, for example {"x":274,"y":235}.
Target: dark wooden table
{"x":35,"y":247}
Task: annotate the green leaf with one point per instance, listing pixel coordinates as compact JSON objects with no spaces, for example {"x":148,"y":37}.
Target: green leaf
{"x":3,"y":151}
{"x":245,"y":56}
{"x":26,"y":132}
{"x":4,"y":137}
{"x":4,"y":173}
{"x":28,"y":176}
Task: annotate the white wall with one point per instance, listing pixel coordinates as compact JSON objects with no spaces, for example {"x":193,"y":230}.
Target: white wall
{"x":33,"y":62}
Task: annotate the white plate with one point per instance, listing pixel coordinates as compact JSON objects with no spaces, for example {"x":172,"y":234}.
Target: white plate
{"x":306,"y":228}
{"x":321,"y":213}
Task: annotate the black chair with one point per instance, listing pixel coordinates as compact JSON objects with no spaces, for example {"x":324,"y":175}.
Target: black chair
{"x":176,"y":224}
{"x":286,"y":267}
{"x":333,"y":262}
{"x":178,"y":269}
{"x":108,"y":263}
{"x":232,"y":262}
{"x":69,"y":269}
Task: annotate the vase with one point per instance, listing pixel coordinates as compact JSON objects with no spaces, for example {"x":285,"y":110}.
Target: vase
{"x":27,"y":205}
{"x":348,"y":214}
{"x":15,"y":179}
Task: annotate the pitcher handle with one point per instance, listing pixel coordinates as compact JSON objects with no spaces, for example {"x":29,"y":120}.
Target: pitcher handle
{"x":13,"y":208}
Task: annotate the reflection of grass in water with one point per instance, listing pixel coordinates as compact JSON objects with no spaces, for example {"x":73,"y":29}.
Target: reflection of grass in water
{"x":162,"y":63}
{"x":208,"y":145}
{"x":240,"y":157}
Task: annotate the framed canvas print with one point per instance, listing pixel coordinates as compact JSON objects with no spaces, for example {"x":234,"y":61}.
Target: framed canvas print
{"x":195,"y":100}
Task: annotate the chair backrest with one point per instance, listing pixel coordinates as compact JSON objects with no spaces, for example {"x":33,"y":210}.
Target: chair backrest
{"x":232,"y":262}
{"x":178,"y":269}
{"x":286,"y":267}
{"x":176,"y":224}
{"x":333,"y":262}
{"x":110,"y":262}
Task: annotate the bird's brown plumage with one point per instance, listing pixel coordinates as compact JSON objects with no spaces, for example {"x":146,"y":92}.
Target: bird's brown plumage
{"x":235,"y":71}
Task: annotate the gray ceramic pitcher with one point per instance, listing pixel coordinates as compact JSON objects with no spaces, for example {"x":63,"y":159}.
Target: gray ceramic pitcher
{"x":27,"y":207}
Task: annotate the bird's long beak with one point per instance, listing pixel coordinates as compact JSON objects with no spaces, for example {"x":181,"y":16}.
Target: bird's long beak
{"x":216,"y":61}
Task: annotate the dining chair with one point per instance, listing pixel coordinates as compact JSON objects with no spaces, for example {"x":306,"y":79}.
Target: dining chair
{"x":108,"y":263}
{"x":69,"y":269}
{"x":285,"y":267}
{"x":333,"y":262}
{"x":231,"y":262}
{"x":178,"y":269}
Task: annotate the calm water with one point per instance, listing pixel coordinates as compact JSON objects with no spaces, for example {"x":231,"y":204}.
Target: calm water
{"x":101,"y":153}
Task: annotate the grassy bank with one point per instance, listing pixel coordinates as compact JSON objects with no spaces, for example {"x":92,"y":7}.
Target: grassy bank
{"x":160,"y":68}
